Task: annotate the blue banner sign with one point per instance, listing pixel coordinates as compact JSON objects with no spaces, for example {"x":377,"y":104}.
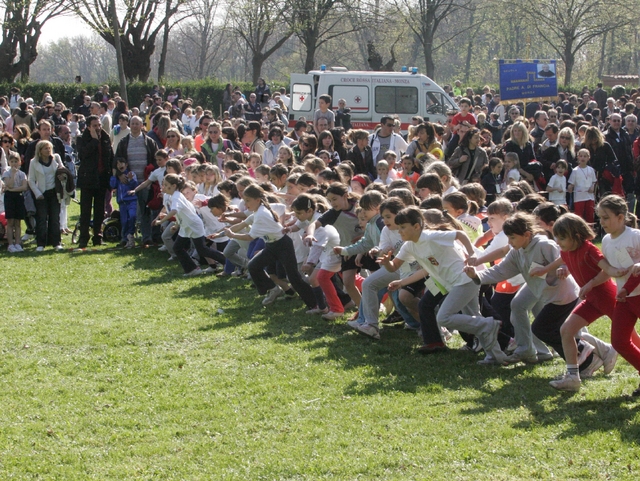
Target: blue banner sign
{"x":528,"y":80}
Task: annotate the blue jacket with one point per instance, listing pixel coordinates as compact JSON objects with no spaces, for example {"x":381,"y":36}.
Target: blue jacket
{"x":122,"y":192}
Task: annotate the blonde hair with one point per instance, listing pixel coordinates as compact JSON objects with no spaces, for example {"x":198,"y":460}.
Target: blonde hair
{"x":525,"y":134}
{"x":41,"y":145}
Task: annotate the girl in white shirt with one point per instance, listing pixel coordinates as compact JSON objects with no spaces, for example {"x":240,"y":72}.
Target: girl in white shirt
{"x":621,"y":248}
{"x":265,"y":224}
{"x":190,"y":225}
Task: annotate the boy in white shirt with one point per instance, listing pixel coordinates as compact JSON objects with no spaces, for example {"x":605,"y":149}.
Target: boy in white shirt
{"x":557,"y":186}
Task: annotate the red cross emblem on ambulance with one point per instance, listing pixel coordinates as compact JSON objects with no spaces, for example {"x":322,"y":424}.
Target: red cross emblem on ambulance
{"x":357,"y":99}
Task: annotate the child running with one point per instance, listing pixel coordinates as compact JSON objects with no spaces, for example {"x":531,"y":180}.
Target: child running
{"x":621,"y":247}
{"x":438,"y":253}
{"x":591,"y":271}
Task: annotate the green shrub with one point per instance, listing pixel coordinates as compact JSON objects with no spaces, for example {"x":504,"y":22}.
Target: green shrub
{"x":206,"y":92}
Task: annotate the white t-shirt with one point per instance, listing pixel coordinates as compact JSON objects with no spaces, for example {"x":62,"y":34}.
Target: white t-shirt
{"x":157,"y":175}
{"x":391,"y":240}
{"x":302,"y":250}
{"x":328,"y":237}
{"x":623,"y":252}
{"x":264,"y":225}
{"x":582,"y":180}
{"x":439,"y":254}
{"x":191,"y":224}
{"x":558,"y":182}
{"x":514,"y":175}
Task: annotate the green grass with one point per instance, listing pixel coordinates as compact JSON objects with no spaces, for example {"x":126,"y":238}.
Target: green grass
{"x":115,"y":367}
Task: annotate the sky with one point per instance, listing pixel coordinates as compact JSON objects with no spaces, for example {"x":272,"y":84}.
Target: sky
{"x":61,"y":27}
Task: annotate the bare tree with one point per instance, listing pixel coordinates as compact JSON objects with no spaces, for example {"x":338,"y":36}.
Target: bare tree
{"x":315,"y":22}
{"x":568,"y":25}
{"x":424,"y":17}
{"x":21,"y":28}
{"x":198,"y":44}
{"x":260,"y":24}
{"x":140,"y":23}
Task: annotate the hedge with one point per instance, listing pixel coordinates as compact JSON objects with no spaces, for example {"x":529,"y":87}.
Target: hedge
{"x":207,"y":92}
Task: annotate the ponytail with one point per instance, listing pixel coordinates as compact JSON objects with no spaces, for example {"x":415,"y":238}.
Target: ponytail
{"x":254,"y":191}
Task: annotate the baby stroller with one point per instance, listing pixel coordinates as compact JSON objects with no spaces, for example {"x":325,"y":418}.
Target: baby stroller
{"x":110,"y":228}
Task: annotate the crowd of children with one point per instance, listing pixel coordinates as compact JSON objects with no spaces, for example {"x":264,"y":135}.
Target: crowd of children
{"x":478,"y":253}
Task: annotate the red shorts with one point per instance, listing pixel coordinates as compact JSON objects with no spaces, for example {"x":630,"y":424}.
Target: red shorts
{"x":599,"y":302}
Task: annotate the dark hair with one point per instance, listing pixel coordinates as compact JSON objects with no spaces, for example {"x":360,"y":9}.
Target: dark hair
{"x":474,"y":192}
{"x":431,"y":181}
{"x":307,"y":179}
{"x":400,"y":184}
{"x":371,"y":200}
{"x":520,"y":223}
{"x":325,"y":98}
{"x":229,"y":186}
{"x":549,"y":212}
{"x":174,"y":164}
{"x":175,"y":179}
{"x":459,"y":201}
{"x":618,"y":206}
{"x":304,"y":202}
{"x":122,"y":160}
{"x":275,"y":131}
{"x":279,"y":170}
{"x":405,"y":195}
{"x":410,"y":215}
{"x":393,"y":205}
{"x":529,"y":202}
{"x":513,"y":193}
{"x":218,"y":201}
{"x":254,"y":191}
{"x":432,"y":202}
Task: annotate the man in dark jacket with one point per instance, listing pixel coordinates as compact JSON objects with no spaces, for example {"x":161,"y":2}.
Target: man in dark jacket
{"x":140,"y":151}
{"x":96,"y":164}
{"x":621,"y":145}
{"x":44,"y":129}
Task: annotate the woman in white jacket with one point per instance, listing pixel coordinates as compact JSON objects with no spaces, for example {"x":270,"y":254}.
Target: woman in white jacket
{"x":42,"y":182}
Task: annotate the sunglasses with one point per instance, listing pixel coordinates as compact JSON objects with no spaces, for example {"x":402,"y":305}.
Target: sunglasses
{"x":172,"y":136}
{"x":390,"y":125}
{"x":565,"y":137}
{"x":7,"y":141}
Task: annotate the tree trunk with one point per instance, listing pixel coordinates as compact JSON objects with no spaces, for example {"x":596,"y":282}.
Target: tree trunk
{"x":202,"y":58}
{"x":257,"y":61}
{"x":427,"y":48}
{"x":163,"y":53}
{"x":603,"y":49}
{"x":310,"y":58}
{"x":612,"y":49}
{"x":569,"y":62}
{"x":137,"y":63}
{"x":467,"y":65}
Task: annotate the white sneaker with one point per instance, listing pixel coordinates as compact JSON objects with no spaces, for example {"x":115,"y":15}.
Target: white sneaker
{"x":162,"y":248}
{"x":332,"y":316}
{"x":610,"y":360}
{"x":237,"y":273}
{"x":369,"y":330}
{"x":40,"y":249}
{"x":596,"y":364}
{"x":196,"y":272}
{"x":272,"y":295}
{"x":526,"y":358}
{"x":568,"y":382}
{"x":171,"y":258}
{"x":353,"y":324}
{"x":59,"y":248}
{"x":26,"y":237}
{"x":586,"y":351}
{"x":11,"y":248}
{"x":18,"y":248}
{"x":317,"y":310}
{"x":209,"y":270}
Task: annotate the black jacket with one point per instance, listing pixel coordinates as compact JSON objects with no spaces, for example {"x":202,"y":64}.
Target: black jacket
{"x":362,"y":165}
{"x":90,"y":151}
{"x":152,"y":148}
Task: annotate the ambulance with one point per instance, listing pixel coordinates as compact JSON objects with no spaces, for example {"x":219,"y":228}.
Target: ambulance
{"x":370,"y":95}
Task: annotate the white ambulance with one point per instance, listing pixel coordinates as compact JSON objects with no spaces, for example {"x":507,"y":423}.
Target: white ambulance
{"x":370,"y":95}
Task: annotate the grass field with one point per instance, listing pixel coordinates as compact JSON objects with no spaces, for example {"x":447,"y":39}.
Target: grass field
{"x":115,"y":367}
